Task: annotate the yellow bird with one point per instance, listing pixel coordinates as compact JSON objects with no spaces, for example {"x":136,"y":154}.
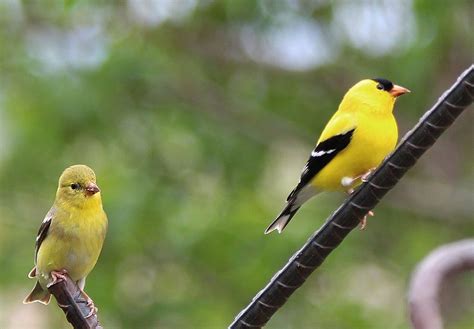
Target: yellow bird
{"x":356,"y":139}
{"x":72,"y":234}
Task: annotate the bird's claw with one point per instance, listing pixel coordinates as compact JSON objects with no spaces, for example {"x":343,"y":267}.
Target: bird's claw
{"x":347,"y":181}
{"x":89,"y":304}
{"x":93,"y":310}
{"x":363,"y":221}
{"x":365,"y":177}
{"x":57,"y":276}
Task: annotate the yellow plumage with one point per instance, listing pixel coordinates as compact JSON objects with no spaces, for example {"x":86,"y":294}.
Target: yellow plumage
{"x":369,"y":110}
{"x":72,"y":233}
{"x":356,"y":139}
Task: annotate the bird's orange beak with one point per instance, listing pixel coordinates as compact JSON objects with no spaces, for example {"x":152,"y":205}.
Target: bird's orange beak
{"x":92,"y":189}
{"x":398,"y":91}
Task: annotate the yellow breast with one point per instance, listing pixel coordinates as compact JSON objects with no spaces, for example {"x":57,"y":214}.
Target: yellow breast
{"x":372,"y":141}
{"x":73,"y":243}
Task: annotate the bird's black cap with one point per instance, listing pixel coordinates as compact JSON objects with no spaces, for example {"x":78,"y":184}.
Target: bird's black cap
{"x":386,"y":84}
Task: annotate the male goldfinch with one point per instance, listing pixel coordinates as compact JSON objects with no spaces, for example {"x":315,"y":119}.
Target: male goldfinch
{"x":72,"y":234}
{"x":358,"y":137}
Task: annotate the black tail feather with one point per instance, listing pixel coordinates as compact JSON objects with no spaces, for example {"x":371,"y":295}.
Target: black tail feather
{"x":283,"y":218}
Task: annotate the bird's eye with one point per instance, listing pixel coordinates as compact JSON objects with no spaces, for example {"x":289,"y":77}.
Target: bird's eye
{"x":75,"y":186}
{"x":380,"y":86}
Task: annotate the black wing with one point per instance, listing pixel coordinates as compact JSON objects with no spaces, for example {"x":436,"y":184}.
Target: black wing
{"x":43,"y":230}
{"x":324,"y":152}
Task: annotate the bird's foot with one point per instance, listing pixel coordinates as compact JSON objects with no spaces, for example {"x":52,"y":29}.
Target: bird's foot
{"x":57,"y":276}
{"x":93,"y":309}
{"x":363,"y":221}
{"x":89,"y":304}
{"x":365,"y":177}
{"x":347,"y":181}
{"x":350,"y":191}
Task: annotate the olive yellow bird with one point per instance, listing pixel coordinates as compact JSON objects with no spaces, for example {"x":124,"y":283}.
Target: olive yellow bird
{"x":356,"y":139}
{"x":72,"y":234}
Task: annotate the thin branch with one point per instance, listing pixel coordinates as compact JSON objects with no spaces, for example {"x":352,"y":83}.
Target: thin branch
{"x":428,"y":278}
{"x":347,"y":217}
{"x":74,"y":304}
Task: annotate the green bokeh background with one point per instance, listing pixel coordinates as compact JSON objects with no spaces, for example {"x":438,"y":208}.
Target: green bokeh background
{"x":197,"y":118}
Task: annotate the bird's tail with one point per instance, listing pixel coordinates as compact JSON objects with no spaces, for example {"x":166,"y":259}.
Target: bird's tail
{"x":38,"y":294}
{"x":295,"y":200}
{"x":283,"y":218}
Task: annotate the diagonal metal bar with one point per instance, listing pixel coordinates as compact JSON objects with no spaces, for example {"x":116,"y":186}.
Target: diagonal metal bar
{"x":433,"y":123}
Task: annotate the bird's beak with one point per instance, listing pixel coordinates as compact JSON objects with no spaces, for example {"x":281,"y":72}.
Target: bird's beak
{"x":398,"y":91}
{"x":92,"y":189}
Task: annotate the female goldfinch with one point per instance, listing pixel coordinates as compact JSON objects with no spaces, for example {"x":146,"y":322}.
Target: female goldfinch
{"x":358,"y":137}
{"x":72,"y":233}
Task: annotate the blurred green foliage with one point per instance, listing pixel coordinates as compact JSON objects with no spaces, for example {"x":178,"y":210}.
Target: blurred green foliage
{"x":197,"y":118}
